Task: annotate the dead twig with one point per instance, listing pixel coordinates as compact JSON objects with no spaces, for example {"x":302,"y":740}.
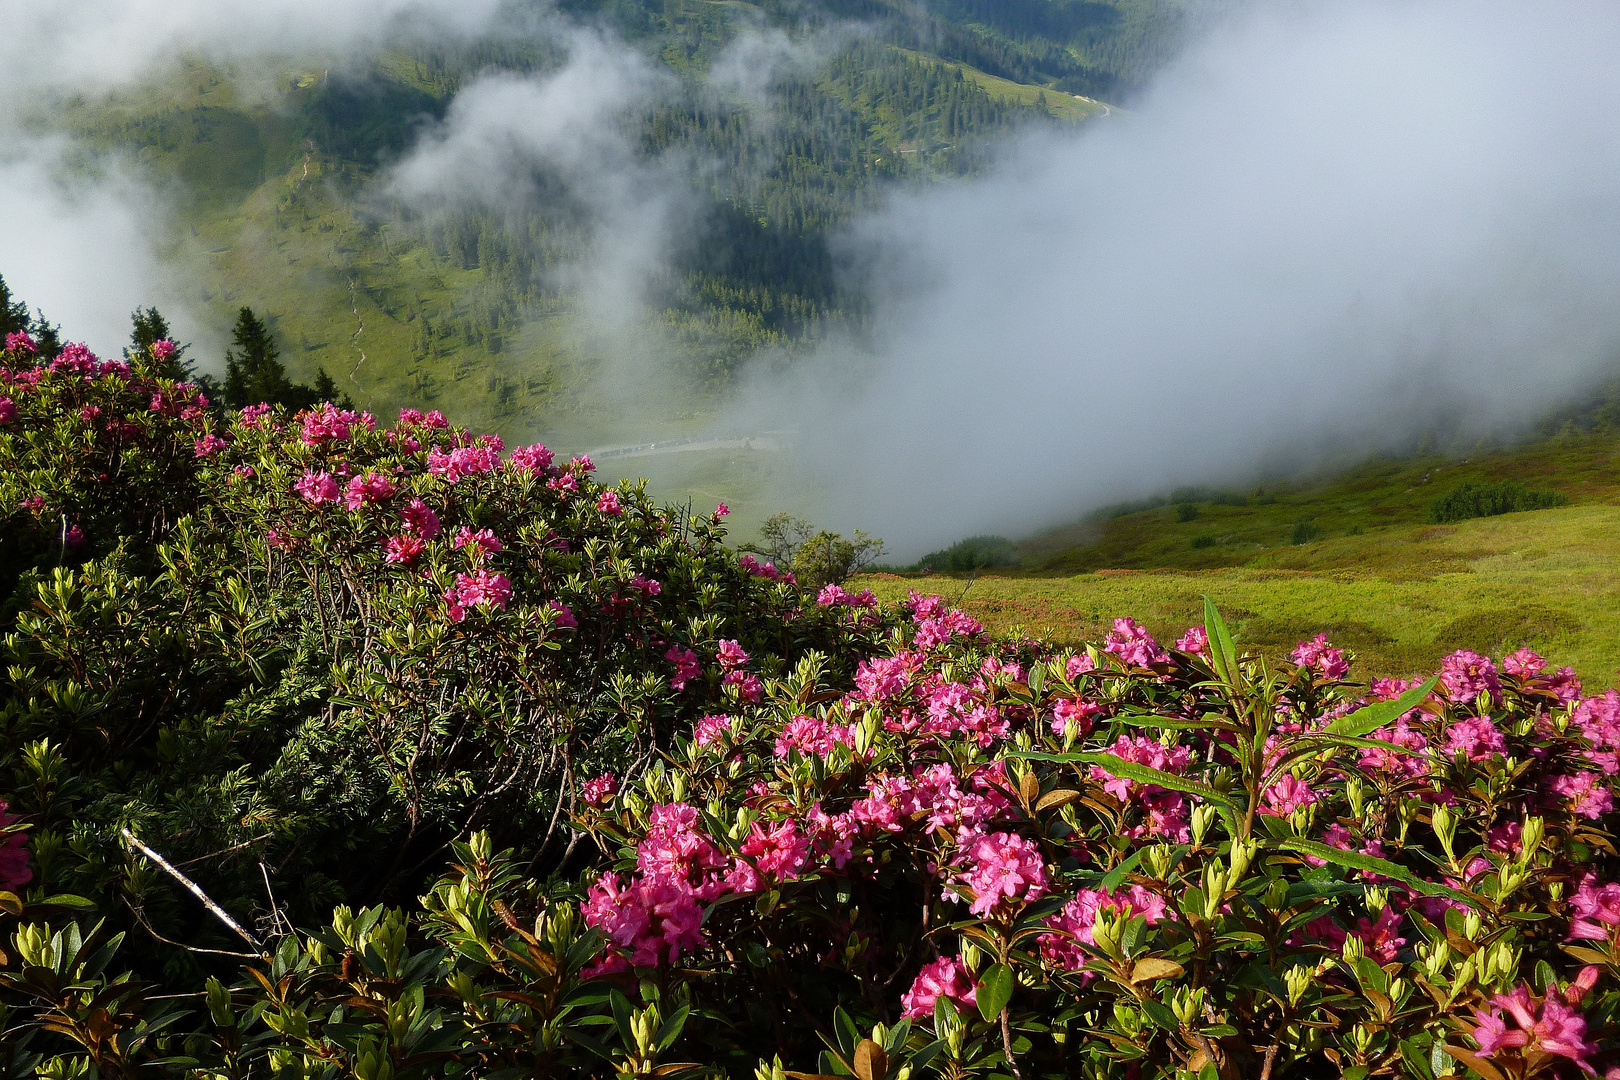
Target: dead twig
{"x":218,"y":912}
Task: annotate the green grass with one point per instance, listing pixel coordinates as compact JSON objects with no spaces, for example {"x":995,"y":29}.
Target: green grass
{"x":1382,"y":581}
{"x":1060,"y":104}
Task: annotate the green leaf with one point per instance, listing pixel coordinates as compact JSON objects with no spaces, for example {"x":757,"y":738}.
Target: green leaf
{"x":1220,"y":642}
{"x":1357,"y":861}
{"x":1382,"y":713}
{"x":1130,"y":770}
{"x":670,"y":1030}
{"x":1116,"y":877}
{"x":994,"y":990}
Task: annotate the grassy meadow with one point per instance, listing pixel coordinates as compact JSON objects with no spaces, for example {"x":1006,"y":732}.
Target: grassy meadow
{"x":1381,"y":580}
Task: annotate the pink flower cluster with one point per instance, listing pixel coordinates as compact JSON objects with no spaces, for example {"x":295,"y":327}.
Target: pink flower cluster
{"x":768,"y":571}
{"x":318,"y":487}
{"x":373,"y":487}
{"x":21,"y":341}
{"x":1130,"y":641}
{"x":1001,"y":866}
{"x":945,"y":977}
{"x":463,"y":461}
{"x":1549,"y":1026}
{"x":14,"y":871}
{"x":1164,"y":812}
{"x":1321,"y":657}
{"x":327,"y":423}
{"x":937,"y":624}
{"x":1075,"y":923}
{"x":481,"y":588}
{"x":1466,"y":675}
{"x":838,"y":596}
{"x":686,"y":664}
{"x":599,"y":791}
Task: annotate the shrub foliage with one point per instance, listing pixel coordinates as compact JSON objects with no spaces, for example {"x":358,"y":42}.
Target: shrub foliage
{"x":1476,"y":499}
{"x":699,"y":822}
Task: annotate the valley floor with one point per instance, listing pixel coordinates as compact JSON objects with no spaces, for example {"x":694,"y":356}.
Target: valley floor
{"x":1400,"y":598}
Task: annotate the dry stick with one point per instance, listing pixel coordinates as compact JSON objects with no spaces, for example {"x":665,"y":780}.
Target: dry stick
{"x":140,"y":918}
{"x":218,"y":912}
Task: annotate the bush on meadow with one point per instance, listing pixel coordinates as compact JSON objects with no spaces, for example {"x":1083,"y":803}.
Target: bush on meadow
{"x":350,"y":643}
{"x":824,"y":841}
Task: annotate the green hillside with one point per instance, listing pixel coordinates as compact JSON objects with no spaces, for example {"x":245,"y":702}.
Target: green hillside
{"x":1368,"y":567}
{"x":276,"y":179}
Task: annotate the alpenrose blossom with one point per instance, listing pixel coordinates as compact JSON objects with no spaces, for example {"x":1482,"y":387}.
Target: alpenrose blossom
{"x":318,"y":487}
{"x":1130,"y":641}
{"x":608,"y":503}
{"x":14,"y":871}
{"x":1318,"y":655}
{"x":482,"y":588}
{"x":945,"y":977}
{"x":1524,"y":1025}
{"x":1002,"y":866}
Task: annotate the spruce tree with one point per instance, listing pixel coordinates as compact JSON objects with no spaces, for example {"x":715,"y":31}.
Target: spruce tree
{"x":253,"y":370}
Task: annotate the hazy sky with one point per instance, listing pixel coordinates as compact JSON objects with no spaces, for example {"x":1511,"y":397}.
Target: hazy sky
{"x":1322,"y":229}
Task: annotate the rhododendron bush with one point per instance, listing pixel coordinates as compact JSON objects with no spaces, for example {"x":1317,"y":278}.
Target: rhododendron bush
{"x":701,"y":822}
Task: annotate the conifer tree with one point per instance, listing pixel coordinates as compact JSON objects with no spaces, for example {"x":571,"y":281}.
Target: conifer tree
{"x":253,"y":369}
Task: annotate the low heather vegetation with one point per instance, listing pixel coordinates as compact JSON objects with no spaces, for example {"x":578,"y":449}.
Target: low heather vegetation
{"x":488,"y":769}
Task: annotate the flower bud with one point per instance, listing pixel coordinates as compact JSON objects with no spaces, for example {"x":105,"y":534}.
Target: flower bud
{"x":1354,"y":950}
{"x":773,"y":1071}
{"x":1472,"y":925}
{"x":1158,"y":860}
{"x":1108,"y":931}
{"x":1188,"y":1005}
{"x":1355,"y":789}
{"x":1127,"y":1021}
{"x":1445,"y":827}
{"x":1241,"y":856}
{"x":1530,"y":837}
{"x":1377,"y":898}
{"x":1297,"y":980}
{"x":1277,"y":894}
{"x":972,"y":956}
{"x":1202,"y":816}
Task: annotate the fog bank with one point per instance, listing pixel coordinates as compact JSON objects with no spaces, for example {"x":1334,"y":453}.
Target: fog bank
{"x":1322,"y":230}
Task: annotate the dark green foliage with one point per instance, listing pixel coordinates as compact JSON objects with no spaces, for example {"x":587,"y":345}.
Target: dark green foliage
{"x":254,"y":373}
{"x":14,"y":317}
{"x":1477,"y":499}
{"x":1186,"y":511}
{"x":1304,"y":532}
{"x":972,"y":553}
{"x":1200,"y":542}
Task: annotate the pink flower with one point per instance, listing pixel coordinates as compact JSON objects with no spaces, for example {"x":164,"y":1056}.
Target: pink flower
{"x":531,"y":459}
{"x":20,"y":341}
{"x":14,"y":871}
{"x":1002,"y":865}
{"x":721,"y":510}
{"x":686,"y":664}
{"x":1130,"y":641}
{"x":404,"y":550}
{"x":712,"y":728}
{"x":73,"y":537}
{"x":831,"y":596}
{"x":1194,"y":641}
{"x":1076,"y":922}
{"x":1597,"y":910}
{"x":1287,"y":795}
{"x":483,"y":542}
{"x":1592,"y":799}
{"x":608,"y":503}
{"x":252,"y":414}
{"x":1526,"y":663}
{"x":809,"y":736}
{"x":778,"y":852}
{"x":318,"y":487}
{"x":163,"y":348}
{"x":747,"y":687}
{"x":204,"y":446}
{"x":8,"y":410}
{"x":462,"y":462}
{"x":1318,"y":654}
{"x":328,"y":423}
{"x":583,"y":461}
{"x":1079,"y":713}
{"x":478,"y":589}
{"x":1466,"y":675}
{"x":653,"y":920}
{"x":420,"y":519}
{"x":1078,"y":665}
{"x":731,"y":655}
{"x":600,"y":791}
{"x":945,"y":977}
{"x":1475,"y":737}
{"x":1541,"y":1026}
{"x":646,"y":586}
{"x":373,"y":487}
{"x":564,"y":614}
